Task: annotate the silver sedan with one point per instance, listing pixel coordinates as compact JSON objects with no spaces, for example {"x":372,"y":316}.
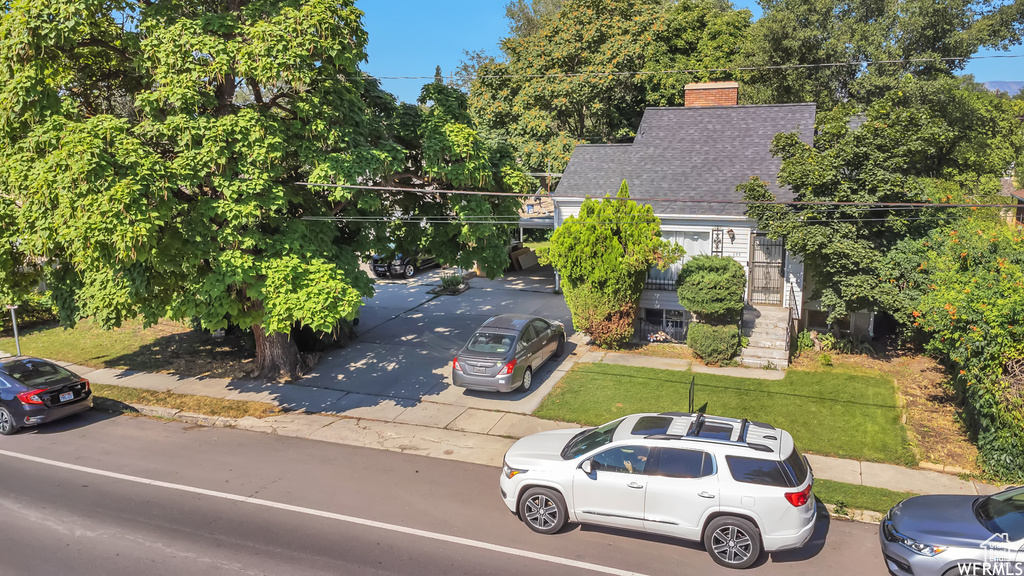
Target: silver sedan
{"x":506,"y":351}
{"x":950,"y":535}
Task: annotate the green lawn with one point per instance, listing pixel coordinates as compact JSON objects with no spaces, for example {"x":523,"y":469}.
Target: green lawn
{"x":828,"y":412}
{"x":860,"y":497}
{"x":537,"y":245}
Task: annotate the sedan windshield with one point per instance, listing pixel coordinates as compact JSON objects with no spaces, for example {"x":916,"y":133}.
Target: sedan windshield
{"x":490,"y":343}
{"x":589,"y":440}
{"x":1003,"y":513}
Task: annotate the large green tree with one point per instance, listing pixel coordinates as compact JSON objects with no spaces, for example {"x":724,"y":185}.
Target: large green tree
{"x":812,"y":32}
{"x":603,"y":255}
{"x":575,"y":79}
{"x":925,"y":142}
{"x":150,"y":154}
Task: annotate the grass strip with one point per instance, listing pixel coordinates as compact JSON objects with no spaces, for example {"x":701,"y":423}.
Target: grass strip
{"x":187,"y":403}
{"x":857,"y":496}
{"x":832,"y":413}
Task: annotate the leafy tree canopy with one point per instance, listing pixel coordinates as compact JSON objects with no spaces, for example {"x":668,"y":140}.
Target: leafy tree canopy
{"x":829,"y":31}
{"x":149,"y":155}
{"x":544,"y":117}
{"x":937,"y":143}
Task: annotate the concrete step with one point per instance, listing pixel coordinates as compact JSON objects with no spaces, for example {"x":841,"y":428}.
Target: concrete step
{"x":765,"y":333}
{"x":764,"y":363}
{"x":767,"y":342}
{"x":769,"y":353}
{"x":765,"y":313}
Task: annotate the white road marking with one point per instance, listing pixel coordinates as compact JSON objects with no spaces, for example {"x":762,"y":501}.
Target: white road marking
{"x":331,"y":515}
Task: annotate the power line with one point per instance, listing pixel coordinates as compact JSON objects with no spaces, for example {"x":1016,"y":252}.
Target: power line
{"x":876,"y":205}
{"x":698,"y":70}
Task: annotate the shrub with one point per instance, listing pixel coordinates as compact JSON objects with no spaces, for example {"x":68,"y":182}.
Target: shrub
{"x":712,"y":288}
{"x":603,"y":255}
{"x":607,"y":320}
{"x":713,"y":344}
{"x":804,"y":342}
{"x":35,"y":310}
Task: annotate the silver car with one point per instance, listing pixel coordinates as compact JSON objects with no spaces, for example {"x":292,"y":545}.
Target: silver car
{"x":949,"y":535}
{"x":506,"y":351}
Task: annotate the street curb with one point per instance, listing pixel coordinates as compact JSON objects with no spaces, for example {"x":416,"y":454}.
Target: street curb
{"x":856,"y":515}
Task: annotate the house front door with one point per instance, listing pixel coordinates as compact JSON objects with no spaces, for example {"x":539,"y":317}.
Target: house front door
{"x":767,"y":269}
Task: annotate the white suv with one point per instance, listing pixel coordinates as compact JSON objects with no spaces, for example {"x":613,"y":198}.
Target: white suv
{"x":741,"y":487}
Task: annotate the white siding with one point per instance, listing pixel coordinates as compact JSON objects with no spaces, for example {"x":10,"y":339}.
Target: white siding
{"x":694,"y":233}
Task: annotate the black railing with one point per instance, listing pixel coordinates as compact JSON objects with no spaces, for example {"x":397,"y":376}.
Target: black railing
{"x":675,"y":330}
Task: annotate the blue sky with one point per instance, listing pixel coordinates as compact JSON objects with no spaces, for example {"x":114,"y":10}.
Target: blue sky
{"x":411,"y":37}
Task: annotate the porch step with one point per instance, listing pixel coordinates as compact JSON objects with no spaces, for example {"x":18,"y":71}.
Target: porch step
{"x":769,"y":353}
{"x":764,"y":363}
{"x":770,"y":342}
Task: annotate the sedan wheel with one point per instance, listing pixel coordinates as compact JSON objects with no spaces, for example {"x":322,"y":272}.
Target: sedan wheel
{"x":410,"y":270}
{"x":543,"y":510}
{"x":528,"y":379}
{"x":732,"y":542}
{"x":7,"y":426}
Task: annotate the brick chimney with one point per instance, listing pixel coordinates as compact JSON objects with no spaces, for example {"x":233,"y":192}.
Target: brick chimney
{"x":712,"y":94}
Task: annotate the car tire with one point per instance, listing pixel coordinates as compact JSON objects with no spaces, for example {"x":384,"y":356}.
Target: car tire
{"x":732,"y":542}
{"x":409,"y":271}
{"x":543,"y":510}
{"x":7,"y":424}
{"x":560,"y":349}
{"x":527,"y":379}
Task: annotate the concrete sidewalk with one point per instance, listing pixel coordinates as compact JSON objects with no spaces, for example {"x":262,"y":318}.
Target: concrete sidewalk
{"x":601,"y":356}
{"x":449,"y":431}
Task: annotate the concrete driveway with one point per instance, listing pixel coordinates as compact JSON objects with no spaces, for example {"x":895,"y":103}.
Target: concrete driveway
{"x":407,"y":339}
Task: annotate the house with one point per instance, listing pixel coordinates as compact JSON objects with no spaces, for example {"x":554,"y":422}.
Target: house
{"x":686,"y":163}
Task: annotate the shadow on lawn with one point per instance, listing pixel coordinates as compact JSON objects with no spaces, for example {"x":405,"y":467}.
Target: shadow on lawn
{"x":190,"y":354}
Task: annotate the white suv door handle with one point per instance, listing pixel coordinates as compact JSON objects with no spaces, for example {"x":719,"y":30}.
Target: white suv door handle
{"x":705,"y":494}
{"x":635,"y":485}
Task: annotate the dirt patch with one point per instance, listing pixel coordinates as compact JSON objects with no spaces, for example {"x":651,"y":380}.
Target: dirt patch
{"x":658,"y":349}
{"x":929,"y":405}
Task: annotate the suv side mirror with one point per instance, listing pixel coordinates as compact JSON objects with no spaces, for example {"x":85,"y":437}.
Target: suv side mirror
{"x":586,"y":467}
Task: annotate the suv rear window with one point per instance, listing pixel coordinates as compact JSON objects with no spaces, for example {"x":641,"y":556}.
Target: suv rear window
{"x":795,"y":467}
{"x":758,"y":471}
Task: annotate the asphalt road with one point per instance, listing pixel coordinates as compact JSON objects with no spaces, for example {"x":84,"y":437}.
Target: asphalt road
{"x":119,"y":495}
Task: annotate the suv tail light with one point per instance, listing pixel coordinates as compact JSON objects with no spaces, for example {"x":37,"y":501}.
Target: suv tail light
{"x":455,"y":364}
{"x":32,"y":396}
{"x":508,"y":368}
{"x":799,"y":498}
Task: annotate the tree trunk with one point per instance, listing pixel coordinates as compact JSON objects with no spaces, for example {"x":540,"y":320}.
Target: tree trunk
{"x":277,"y":356}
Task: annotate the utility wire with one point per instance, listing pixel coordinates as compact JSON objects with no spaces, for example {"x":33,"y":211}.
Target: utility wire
{"x":696,"y":70}
{"x":877,"y":205}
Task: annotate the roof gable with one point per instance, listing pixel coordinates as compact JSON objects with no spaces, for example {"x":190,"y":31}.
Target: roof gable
{"x":690,"y":158}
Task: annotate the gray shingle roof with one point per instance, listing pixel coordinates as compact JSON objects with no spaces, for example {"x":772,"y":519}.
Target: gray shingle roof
{"x":690,"y":154}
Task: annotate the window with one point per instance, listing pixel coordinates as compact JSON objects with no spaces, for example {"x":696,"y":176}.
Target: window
{"x":590,"y":440}
{"x":529,"y":334}
{"x":35,"y":373}
{"x":757,"y":471}
{"x":539,"y":326}
{"x":677,"y":463}
{"x":1003,"y":512}
{"x":490,"y":342}
{"x":795,"y":467}
{"x":649,"y":425}
{"x":623,"y":459}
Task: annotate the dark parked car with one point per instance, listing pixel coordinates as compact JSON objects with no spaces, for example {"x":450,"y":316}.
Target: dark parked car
{"x":503,"y":354}
{"x":948,"y":535}
{"x":401,"y":265}
{"x":34,"y":391}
